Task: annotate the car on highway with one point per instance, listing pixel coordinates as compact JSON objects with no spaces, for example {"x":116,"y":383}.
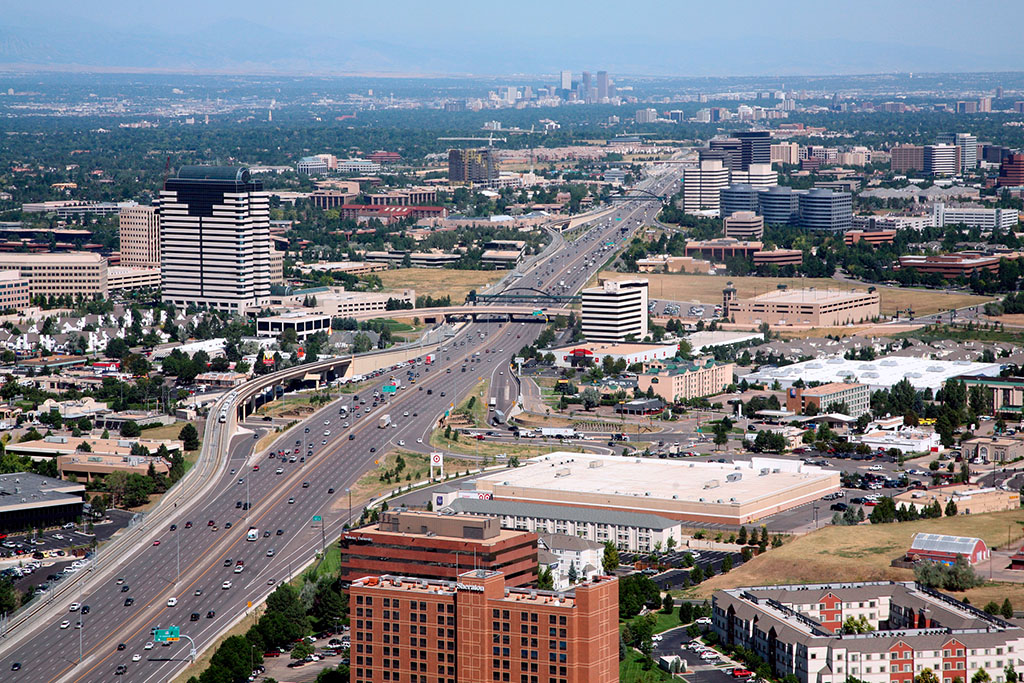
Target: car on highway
{"x":86,"y":609}
{"x":124,"y":588}
{"x":227,"y":525}
{"x":16,"y":666}
{"x":65,"y":623}
{"x":121,"y":646}
{"x":280,"y":532}
{"x":198,"y":592}
{"x":148,"y":646}
{"x":156,"y":542}
{"x":226,"y":585}
{"x":120,"y":670}
{"x":270,"y":552}
{"x":305,"y":484}
{"x":330,"y":490}
{"x":239,"y":569}
{"x":171,"y":602}
{"x":73,"y":607}
{"x":188,"y":525}
{"x":128,"y":602}
{"x":279,"y":470}
{"x":174,"y":527}
{"x":194,"y":616}
{"x":211,"y":614}
{"x":136,"y":657}
{"x":291,"y":501}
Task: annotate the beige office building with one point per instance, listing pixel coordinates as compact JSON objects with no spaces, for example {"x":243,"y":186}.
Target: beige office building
{"x":703,"y":185}
{"x":813,"y":307}
{"x":123,"y":278}
{"x":74,"y":273}
{"x":15,"y":291}
{"x":744,"y":225}
{"x":139,"y":232}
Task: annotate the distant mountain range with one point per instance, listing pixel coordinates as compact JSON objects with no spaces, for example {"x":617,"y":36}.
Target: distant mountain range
{"x":241,"y":46}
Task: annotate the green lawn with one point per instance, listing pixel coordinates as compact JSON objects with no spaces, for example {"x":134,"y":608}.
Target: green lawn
{"x":331,"y":564}
{"x":633,"y":669}
{"x":665,"y":621}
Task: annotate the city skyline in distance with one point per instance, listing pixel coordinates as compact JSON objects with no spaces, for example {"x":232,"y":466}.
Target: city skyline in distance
{"x":459,"y":38}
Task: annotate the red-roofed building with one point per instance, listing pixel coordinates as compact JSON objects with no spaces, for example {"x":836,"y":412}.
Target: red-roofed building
{"x":382,"y":157}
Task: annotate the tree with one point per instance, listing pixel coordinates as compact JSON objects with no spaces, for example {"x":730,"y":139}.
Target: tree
{"x":741,"y":538}
{"x":591,"y":398}
{"x":721,"y":436}
{"x":8,"y":596}
{"x":951,"y":510}
{"x":130,"y":429}
{"x":84,"y":447}
{"x":1010,"y":674}
{"x":610,"y":558}
{"x":981,"y":676}
{"x":1006,"y":611}
{"x":545,"y":580}
{"x":574,"y":575}
{"x":727,"y":564}
{"x":686,"y":612}
{"x":926,"y":676}
{"x":189,"y":436}
{"x":667,"y":604}
{"x":302,"y":650}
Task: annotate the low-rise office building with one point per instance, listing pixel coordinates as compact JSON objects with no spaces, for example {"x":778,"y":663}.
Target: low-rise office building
{"x":564,"y":637}
{"x":797,"y":629}
{"x":69,"y":273}
{"x":744,"y":225}
{"x":576,"y":355}
{"x":993,"y":448}
{"x":30,"y":501}
{"x":1005,"y":394}
{"x":434,"y":546}
{"x":778,"y":257}
{"x":950,"y":266}
{"x":722,"y":248}
{"x":302,"y":323}
{"x":15,"y":291}
{"x":813,"y":307}
{"x":970,"y":499}
{"x":126,"y":278}
{"x":90,"y":467}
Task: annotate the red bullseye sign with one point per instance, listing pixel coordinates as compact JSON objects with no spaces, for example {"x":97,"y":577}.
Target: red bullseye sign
{"x":436,"y":459}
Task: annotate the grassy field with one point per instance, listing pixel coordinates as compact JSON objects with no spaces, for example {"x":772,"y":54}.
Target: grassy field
{"x":665,"y":621}
{"x":370,"y":485}
{"x":708,"y":289}
{"x":439,"y":282}
{"x":632,"y":670}
{"x":330,"y":565}
{"x":863,"y":553}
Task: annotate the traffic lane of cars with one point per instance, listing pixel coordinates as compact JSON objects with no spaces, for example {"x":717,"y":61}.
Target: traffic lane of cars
{"x":303,"y":515}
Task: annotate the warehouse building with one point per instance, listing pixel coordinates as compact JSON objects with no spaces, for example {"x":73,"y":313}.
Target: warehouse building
{"x":576,"y":355}
{"x":736,"y":492}
{"x":882,"y":373}
{"x":29,"y":501}
{"x":945,"y":549}
{"x":813,"y":307}
{"x":797,"y":629}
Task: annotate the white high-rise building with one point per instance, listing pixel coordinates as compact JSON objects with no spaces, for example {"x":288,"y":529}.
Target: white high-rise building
{"x":942,"y":160}
{"x":615,"y":310}
{"x":758,"y":175}
{"x":703,"y":184}
{"x":646,"y":115}
{"x":566,"y":79}
{"x":215,"y":239}
{"x":968,"y":145}
{"x":139,"y":236}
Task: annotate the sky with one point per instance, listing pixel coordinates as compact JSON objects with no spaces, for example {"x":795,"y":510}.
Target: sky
{"x":662,"y":38}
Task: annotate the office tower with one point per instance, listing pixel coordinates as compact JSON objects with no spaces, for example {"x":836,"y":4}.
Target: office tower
{"x":999,"y":92}
{"x":1011,"y":171}
{"x":963,"y":107}
{"x":215,"y":239}
{"x":779,"y":205}
{"x":757,"y":175}
{"x":615,"y":310}
{"x":472,"y":165}
{"x":755,"y":148}
{"x":566,"y":81}
{"x":702,"y":186}
{"x":602,"y":85}
{"x":984,"y":104}
{"x":482,"y":630}
{"x":744,"y":225}
{"x":823,"y":210}
{"x":139,"y":235}
{"x":785,"y":153}
{"x":585,"y":86}
{"x":1018,"y":107}
{"x":739,"y":197}
{"x":905,"y":158}
{"x":646,"y":115}
{"x":733,"y":149}
{"x":941,"y":160}
{"x":968,"y":145}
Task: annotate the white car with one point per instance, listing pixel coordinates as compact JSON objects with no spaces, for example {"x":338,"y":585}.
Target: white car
{"x":73,"y":607}
{"x":238,"y":569}
{"x":171,"y":602}
{"x":401,"y":442}
{"x":704,"y":620}
{"x":149,"y":646}
{"x":65,"y":623}
{"x":136,"y":657}
{"x":875,"y":468}
{"x":226,"y":585}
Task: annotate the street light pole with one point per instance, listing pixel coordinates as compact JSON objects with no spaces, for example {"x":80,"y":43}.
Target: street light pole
{"x":349,"y":520}
{"x":177,"y":537}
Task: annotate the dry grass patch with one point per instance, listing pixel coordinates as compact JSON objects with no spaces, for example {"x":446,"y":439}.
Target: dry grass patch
{"x":439,"y":282}
{"x":708,"y":289}
{"x":859,"y":553}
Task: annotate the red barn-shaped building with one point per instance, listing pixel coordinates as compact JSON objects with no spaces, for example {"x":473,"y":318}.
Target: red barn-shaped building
{"x":944,"y":549}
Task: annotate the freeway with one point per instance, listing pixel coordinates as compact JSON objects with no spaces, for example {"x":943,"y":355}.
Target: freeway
{"x":196,"y":562}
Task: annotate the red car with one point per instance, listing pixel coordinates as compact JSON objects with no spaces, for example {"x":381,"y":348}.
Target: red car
{"x":741,"y":673}
{"x":255,"y":468}
{"x":156,"y":542}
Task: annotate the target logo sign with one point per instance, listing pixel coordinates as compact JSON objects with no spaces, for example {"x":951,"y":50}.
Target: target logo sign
{"x":436,"y":459}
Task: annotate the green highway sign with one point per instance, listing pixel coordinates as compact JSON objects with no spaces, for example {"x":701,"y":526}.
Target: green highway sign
{"x":167,"y":635}
{"x":317,"y":518}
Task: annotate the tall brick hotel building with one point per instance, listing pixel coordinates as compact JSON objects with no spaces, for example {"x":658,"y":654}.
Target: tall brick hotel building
{"x":475,"y":630}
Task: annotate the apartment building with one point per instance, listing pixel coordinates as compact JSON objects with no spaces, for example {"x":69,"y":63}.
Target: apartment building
{"x":798,"y":630}
{"x":682,"y":380}
{"x":215,"y":239}
{"x":431,"y":545}
{"x":75,"y":273}
{"x":139,"y":236}
{"x":615,"y":311}
{"x":477,"y":629}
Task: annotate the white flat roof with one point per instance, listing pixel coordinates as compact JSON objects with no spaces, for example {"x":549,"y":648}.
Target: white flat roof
{"x":923,"y":373}
{"x":704,"y":340}
{"x":682,"y":480}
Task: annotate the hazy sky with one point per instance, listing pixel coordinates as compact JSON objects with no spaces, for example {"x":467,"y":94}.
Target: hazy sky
{"x":737,"y":37}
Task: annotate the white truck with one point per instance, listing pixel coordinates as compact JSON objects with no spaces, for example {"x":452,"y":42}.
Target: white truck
{"x":252,"y":534}
{"x":558,"y":432}
{"x":492,"y":404}
{"x":384,"y":422}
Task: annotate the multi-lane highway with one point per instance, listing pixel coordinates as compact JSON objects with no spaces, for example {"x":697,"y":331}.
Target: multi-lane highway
{"x":196,"y":563}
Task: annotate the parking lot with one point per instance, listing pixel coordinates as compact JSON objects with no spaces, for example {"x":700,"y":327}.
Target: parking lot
{"x":676,"y":642}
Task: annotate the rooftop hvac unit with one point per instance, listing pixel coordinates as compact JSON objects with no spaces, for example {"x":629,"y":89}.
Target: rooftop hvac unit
{"x":764,"y":472}
{"x":712,"y":484}
{"x":563,"y":472}
{"x":734,"y":476}
{"x":594,"y":464}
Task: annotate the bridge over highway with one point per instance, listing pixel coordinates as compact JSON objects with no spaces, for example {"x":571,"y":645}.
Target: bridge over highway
{"x":511,"y":312}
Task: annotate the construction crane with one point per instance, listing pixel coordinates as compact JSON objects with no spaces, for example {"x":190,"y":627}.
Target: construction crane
{"x":489,"y":140}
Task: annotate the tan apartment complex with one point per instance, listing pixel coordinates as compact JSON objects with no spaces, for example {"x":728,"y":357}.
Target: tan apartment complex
{"x":814,"y":307}
{"x":684,"y":380}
